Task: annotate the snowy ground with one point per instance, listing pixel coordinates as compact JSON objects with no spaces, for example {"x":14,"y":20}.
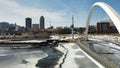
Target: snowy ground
{"x":107,"y":50}
{"x":77,"y":58}
{"x":107,"y":37}
{"x":108,"y":44}
{"x":69,"y":36}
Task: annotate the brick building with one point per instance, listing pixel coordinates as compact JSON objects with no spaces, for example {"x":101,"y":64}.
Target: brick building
{"x":106,"y":26}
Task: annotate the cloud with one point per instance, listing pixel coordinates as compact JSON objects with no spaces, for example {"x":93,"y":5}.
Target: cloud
{"x":14,"y":12}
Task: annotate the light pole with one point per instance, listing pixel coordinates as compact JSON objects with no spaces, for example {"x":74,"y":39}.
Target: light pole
{"x":50,"y":23}
{"x":72,"y":27}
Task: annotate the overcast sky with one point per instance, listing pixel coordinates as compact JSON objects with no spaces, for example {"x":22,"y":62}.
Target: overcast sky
{"x":59,"y":12}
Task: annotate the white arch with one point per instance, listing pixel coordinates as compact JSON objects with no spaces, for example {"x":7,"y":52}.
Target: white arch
{"x":114,"y":16}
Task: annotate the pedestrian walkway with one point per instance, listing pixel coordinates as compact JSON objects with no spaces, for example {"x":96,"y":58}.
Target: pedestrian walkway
{"x":77,"y":58}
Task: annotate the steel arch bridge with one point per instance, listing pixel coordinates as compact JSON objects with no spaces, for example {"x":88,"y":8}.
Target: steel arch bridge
{"x":114,"y":16}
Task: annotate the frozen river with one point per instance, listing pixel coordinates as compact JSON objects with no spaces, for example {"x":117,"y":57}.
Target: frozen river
{"x":29,"y":58}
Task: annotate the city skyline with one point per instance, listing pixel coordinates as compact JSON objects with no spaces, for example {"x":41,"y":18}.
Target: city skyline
{"x":58,"y":12}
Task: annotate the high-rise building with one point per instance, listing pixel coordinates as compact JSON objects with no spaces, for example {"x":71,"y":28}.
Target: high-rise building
{"x":42,"y":22}
{"x":28,"y":22}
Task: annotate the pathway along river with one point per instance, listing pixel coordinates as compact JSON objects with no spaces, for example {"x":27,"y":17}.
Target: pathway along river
{"x":29,"y":58}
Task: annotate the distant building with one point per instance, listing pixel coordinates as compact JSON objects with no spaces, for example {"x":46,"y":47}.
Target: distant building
{"x":79,"y":29}
{"x":106,"y":26}
{"x":65,"y":30}
{"x":92,"y":29}
{"x":5,"y":25}
{"x":42,"y":22}
{"x":10,"y":29}
{"x":35,"y":26}
{"x":28,"y":22}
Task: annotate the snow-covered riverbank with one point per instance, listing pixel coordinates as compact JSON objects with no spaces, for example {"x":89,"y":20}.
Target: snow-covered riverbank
{"x":106,"y":37}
